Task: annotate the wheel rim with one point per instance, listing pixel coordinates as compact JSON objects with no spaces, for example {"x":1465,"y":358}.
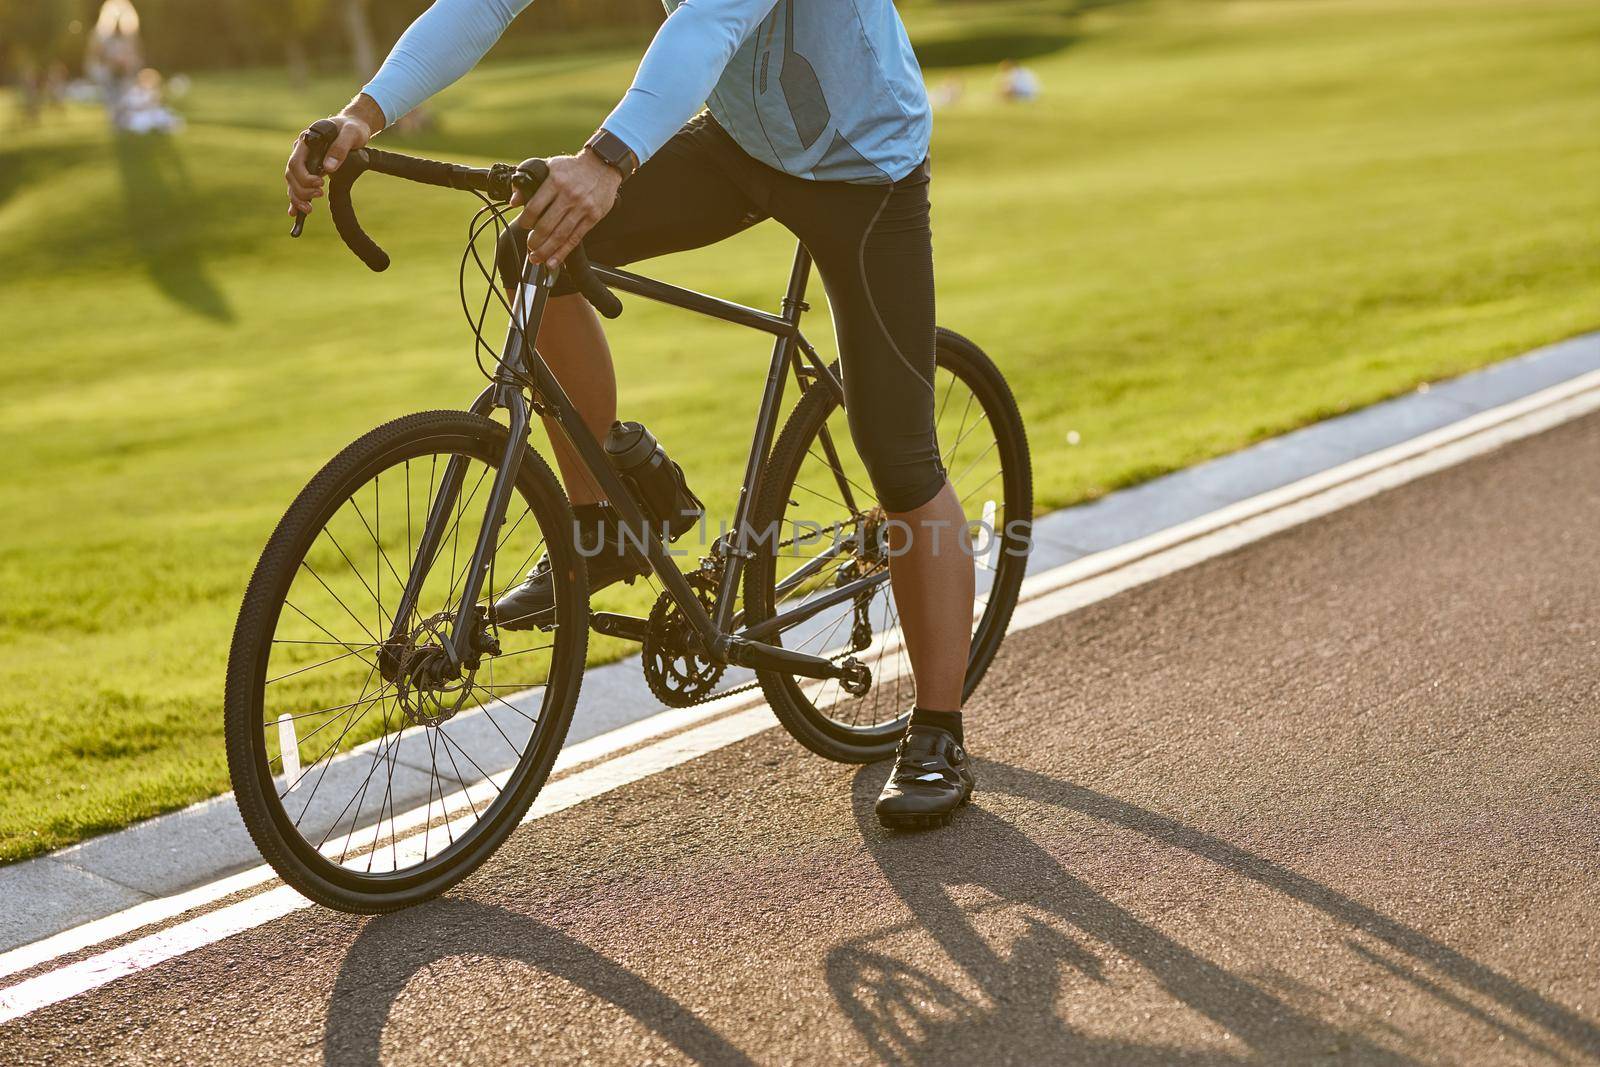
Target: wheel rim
{"x":379,"y":782}
{"x":830,"y":491}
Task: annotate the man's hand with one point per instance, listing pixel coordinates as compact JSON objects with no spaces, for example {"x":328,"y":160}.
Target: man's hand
{"x":357,"y":123}
{"x":578,"y":193}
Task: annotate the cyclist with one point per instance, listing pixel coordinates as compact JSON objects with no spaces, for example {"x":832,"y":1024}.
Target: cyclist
{"x":816,"y":116}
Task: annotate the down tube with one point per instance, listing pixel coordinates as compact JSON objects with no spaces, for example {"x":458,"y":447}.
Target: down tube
{"x":555,"y":400}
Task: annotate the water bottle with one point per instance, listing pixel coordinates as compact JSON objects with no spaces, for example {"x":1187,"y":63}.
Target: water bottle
{"x":657,"y":481}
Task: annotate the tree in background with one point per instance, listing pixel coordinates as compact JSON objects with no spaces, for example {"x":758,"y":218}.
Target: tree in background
{"x":34,"y":32}
{"x":358,"y":29}
{"x":290,"y":23}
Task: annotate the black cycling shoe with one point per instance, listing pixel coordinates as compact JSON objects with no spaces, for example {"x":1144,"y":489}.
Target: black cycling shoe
{"x":533,"y":603}
{"x":932,"y":777}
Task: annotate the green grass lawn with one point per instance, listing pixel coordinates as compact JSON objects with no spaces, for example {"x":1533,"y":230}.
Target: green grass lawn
{"x":1221,"y":221}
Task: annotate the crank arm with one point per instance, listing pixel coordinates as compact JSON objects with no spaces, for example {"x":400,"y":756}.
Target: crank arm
{"x":627,"y":627}
{"x":741,"y":653}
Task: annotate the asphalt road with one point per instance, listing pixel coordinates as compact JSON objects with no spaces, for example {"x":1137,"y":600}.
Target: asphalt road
{"x":1334,"y":797}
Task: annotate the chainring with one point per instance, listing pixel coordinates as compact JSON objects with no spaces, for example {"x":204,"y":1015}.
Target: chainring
{"x":677,"y":676}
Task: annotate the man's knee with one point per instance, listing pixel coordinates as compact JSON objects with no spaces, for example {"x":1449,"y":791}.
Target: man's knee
{"x":911,"y":489}
{"x":905,"y":469}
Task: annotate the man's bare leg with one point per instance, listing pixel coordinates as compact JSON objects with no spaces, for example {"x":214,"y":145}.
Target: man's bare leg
{"x":573,"y":343}
{"x":930,"y":565}
{"x":574,"y":346}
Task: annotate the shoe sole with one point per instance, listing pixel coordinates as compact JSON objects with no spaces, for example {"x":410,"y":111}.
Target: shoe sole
{"x":923,"y":820}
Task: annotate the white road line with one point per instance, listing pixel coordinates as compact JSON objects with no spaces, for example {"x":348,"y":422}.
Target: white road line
{"x":1046,"y":596}
{"x":1323,"y":481}
{"x":150,"y":912}
{"x":52,"y":987}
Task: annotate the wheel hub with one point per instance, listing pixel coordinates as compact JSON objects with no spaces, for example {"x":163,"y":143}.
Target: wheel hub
{"x":429,"y":688}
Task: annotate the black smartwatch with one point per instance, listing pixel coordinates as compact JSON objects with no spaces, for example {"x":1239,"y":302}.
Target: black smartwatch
{"x":613,"y":152}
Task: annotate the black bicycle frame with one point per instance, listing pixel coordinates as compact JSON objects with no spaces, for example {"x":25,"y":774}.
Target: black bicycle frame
{"x":522,"y":366}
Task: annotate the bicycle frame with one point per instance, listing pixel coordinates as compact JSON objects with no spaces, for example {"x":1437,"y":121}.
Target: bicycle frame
{"x":522,"y":366}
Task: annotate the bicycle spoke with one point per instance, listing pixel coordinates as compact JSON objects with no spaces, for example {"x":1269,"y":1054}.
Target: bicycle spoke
{"x":323,"y":774}
{"x":835,"y":470}
{"x":510,"y":743}
{"x":981,"y":487}
{"x":823,"y":496}
{"x":965,"y":433}
{"x":457,"y":768}
{"x":508,"y":704}
{"x":344,"y":780}
{"x":341,"y":603}
{"x":992,"y":446}
{"x":353,"y":648}
{"x":383,"y":556}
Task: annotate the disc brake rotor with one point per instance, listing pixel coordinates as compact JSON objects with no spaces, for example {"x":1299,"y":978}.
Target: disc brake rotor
{"x":424,"y":688}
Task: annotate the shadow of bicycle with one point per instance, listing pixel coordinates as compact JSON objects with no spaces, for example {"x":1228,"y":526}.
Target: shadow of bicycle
{"x":908,"y":1014}
{"x":392,"y":950}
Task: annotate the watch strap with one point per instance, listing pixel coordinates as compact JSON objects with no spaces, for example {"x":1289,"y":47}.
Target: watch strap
{"x":613,"y":152}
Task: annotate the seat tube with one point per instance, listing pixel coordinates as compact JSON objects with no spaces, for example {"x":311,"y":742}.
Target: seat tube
{"x":766,"y":429}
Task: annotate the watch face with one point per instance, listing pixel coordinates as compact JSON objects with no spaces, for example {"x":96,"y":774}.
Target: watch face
{"x":613,"y":151}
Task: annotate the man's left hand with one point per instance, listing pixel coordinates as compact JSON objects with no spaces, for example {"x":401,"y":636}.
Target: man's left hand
{"x":576,"y":195}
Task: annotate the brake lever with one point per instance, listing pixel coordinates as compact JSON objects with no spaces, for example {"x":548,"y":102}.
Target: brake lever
{"x":319,"y":137}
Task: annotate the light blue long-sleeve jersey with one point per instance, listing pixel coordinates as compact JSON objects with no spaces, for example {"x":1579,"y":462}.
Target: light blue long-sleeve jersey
{"x":823,"y":89}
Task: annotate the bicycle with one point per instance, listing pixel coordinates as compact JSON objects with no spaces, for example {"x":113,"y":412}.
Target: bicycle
{"x":427,"y":695}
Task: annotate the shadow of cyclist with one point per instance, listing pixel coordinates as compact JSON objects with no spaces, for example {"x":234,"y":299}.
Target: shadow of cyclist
{"x":159,"y":198}
{"x":392,"y":949}
{"x":908,"y":1015}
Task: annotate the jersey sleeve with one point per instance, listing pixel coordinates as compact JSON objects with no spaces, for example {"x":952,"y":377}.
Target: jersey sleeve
{"x":681,"y":66}
{"x":445,"y":42}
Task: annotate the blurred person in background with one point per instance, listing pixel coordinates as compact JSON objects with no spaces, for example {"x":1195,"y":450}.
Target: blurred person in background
{"x":1016,"y":82}
{"x":29,"y":90}
{"x":115,"y":54}
{"x":56,"y":83}
{"x":143,"y":109}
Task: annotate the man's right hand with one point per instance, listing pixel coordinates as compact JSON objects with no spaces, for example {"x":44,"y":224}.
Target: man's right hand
{"x":357,"y":124}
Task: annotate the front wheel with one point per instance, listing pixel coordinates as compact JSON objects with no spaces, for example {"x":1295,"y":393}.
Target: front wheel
{"x":822,"y":529}
{"x":371,"y":772}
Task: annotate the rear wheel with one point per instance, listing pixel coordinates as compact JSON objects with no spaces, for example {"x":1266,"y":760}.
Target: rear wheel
{"x":370,"y":772}
{"x":814,"y":482}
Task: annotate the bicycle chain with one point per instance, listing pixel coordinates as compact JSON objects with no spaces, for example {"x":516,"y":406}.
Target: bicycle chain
{"x":708,"y":575}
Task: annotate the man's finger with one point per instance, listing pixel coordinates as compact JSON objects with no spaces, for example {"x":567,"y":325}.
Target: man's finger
{"x":542,"y":199}
{"x":302,"y":185}
{"x":564,"y":239}
{"x":566,"y":249}
{"x":542,"y":246}
{"x":342,"y":146}
{"x":297,"y":170}
{"x":303,"y":190}
{"x":545,"y":225}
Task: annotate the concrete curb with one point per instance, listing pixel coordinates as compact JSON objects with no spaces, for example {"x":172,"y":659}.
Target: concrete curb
{"x":199,"y":844}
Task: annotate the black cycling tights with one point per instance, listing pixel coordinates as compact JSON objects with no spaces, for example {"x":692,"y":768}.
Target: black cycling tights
{"x":874,"y":249}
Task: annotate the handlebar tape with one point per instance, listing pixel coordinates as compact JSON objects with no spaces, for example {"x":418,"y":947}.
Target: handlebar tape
{"x":589,"y":284}
{"x":344,"y":213}
{"x":425,"y":171}
{"x":511,"y":250}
